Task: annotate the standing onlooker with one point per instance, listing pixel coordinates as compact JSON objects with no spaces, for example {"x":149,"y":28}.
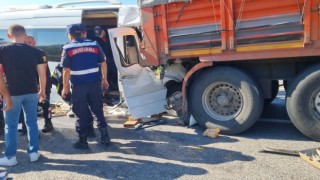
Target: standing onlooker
{"x":80,"y":62}
{"x":1,"y":103}
{"x":45,"y":104}
{"x":1,"y":119}
{"x":21,"y":64}
{"x":57,"y":80}
{"x":5,"y":94}
{"x":1,"y":106}
{"x":90,"y":129}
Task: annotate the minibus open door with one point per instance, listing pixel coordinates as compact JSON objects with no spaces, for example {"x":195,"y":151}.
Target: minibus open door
{"x":144,"y":94}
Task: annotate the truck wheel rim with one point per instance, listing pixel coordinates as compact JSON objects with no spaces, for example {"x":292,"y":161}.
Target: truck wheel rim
{"x":222,"y":101}
{"x":316,"y":104}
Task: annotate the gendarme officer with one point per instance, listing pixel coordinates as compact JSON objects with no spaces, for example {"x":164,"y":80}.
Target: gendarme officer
{"x":81,"y":60}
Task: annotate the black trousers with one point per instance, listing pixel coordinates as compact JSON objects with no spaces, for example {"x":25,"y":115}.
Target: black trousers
{"x":45,"y":104}
{"x":112,"y":75}
{"x":85,"y":98}
{"x":1,"y":117}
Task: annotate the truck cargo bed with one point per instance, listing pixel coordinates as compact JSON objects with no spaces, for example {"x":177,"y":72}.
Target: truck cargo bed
{"x":227,"y":30}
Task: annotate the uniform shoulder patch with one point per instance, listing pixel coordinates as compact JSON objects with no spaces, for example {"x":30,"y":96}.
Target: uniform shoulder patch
{"x":45,"y":59}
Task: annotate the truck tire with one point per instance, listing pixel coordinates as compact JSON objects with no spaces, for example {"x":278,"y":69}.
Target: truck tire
{"x":226,"y":98}
{"x":303,"y":102}
{"x":274,"y":91}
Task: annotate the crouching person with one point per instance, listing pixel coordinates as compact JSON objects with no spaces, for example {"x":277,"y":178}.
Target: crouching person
{"x":80,"y":62}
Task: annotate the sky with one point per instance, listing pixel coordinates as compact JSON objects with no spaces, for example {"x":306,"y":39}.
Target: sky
{"x":13,"y":3}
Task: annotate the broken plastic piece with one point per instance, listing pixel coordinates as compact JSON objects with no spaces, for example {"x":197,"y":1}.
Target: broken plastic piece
{"x":211,"y":133}
{"x":312,"y":156}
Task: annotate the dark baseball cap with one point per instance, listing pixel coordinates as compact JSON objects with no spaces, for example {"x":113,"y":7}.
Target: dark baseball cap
{"x":73,"y":28}
{"x":98,"y":30}
{"x":82,"y":28}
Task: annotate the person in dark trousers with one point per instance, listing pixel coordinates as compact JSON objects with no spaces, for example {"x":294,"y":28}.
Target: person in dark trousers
{"x":1,"y":119}
{"x":45,"y":104}
{"x":4,"y":96}
{"x":57,"y":80}
{"x":102,"y":39}
{"x":3,"y":92}
{"x":22,"y":65}
{"x":80,"y":62}
{"x":90,"y":129}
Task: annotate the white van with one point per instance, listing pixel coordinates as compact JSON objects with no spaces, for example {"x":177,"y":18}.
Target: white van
{"x":47,"y":24}
{"x":144,"y":92}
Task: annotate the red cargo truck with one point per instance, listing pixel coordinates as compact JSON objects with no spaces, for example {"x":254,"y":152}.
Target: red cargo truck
{"x":221,"y":61}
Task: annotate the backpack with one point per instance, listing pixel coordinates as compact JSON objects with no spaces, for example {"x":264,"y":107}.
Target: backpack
{"x":56,"y":78}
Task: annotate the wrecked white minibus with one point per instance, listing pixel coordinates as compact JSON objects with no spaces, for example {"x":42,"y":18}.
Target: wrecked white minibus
{"x":143,"y":89}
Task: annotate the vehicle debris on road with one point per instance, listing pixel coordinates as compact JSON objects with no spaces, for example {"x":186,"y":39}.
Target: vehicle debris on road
{"x":212,"y":132}
{"x":311,"y":156}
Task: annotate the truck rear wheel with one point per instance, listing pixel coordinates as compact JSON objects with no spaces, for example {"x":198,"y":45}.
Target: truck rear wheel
{"x":303,"y":102}
{"x":226,"y":98}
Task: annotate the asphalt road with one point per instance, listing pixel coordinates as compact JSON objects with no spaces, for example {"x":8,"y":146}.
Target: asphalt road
{"x":169,"y":151}
{"x":166,"y":152}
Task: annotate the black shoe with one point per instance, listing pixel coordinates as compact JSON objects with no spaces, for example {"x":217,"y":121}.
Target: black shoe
{"x":1,"y":124}
{"x":47,"y":126}
{"x":22,"y":131}
{"x":82,"y":143}
{"x":104,"y":136}
{"x":90,"y":132}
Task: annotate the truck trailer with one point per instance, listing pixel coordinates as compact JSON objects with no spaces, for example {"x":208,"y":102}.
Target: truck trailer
{"x":219,"y":61}
{"x":214,"y":61}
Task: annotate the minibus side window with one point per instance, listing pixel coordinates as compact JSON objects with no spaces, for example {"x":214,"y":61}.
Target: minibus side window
{"x":51,"y":41}
{"x":3,"y":35}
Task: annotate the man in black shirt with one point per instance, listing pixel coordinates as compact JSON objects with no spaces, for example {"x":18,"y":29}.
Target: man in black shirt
{"x":21,"y":64}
